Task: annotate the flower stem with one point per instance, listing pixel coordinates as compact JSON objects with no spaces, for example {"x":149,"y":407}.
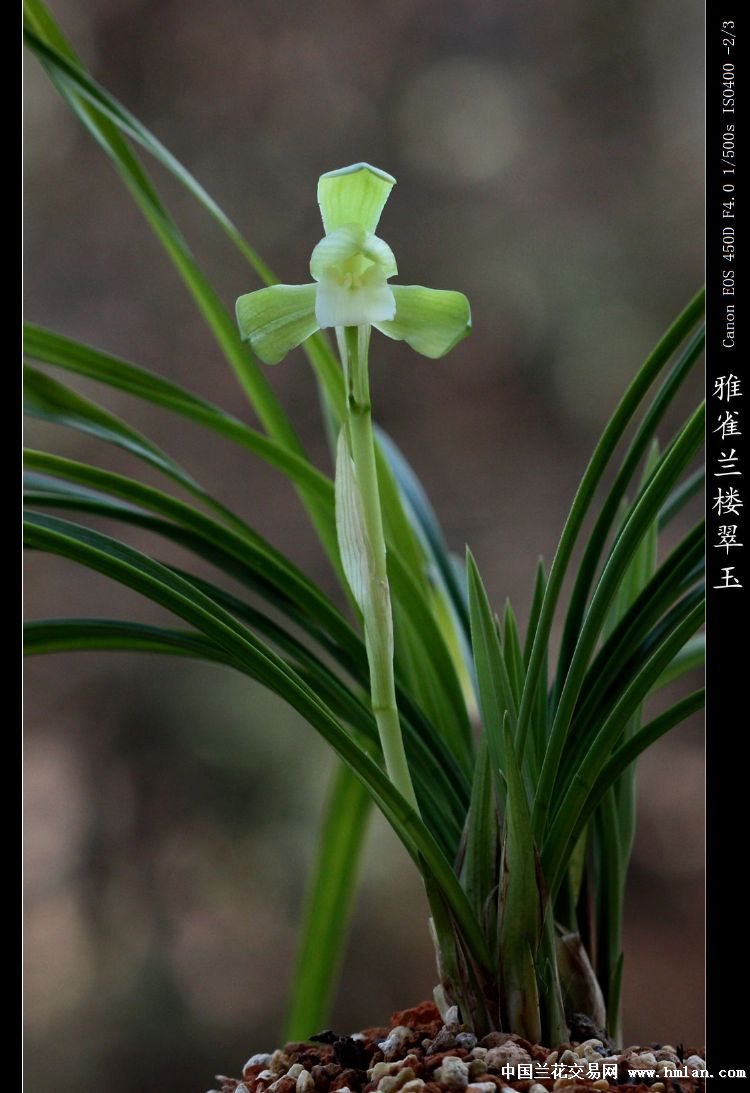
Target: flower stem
{"x":378,"y":617}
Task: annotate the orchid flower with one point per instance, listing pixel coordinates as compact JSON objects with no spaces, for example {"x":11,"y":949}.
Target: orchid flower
{"x":351,"y":269}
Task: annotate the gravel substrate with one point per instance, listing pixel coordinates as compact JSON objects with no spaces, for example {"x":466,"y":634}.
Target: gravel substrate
{"x":419,"y":1053}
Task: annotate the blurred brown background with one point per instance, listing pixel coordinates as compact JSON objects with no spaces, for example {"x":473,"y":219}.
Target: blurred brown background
{"x":548,"y":158}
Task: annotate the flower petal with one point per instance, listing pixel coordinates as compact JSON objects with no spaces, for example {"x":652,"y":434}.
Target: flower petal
{"x":353,"y":195}
{"x":276,"y":319}
{"x":336,"y":247}
{"x":339,"y":305}
{"x":378,"y":251}
{"x":431,"y":320}
{"x":347,"y":242}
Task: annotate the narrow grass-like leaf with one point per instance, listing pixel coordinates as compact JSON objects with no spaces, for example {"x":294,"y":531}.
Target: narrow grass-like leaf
{"x":431,"y":533}
{"x":398,"y":527}
{"x":442,"y":796}
{"x":81,"y":635}
{"x":59,"y":404}
{"x":334,"y":873}
{"x":250,"y":550}
{"x":69,"y":79}
{"x":598,"y":536}
{"x":431,"y":757}
{"x":153,"y":580}
{"x":521,"y":903}
{"x":583,"y":736}
{"x":539,"y":714}
{"x":479,"y":869}
{"x":103,"y":115}
{"x":441,"y":791}
{"x":330,"y":895}
{"x":677,"y":500}
{"x":643,"y":596}
{"x":611,"y":854}
{"x":643,"y":512}
{"x":51,"y":348}
{"x":495,"y":693}
{"x":417,"y":613}
{"x":605,"y":448}
{"x":629,"y":751}
{"x":512,"y":652}
{"x":48,"y":400}
{"x":614,"y":820}
{"x":574,"y":796}
{"x":691,"y":657}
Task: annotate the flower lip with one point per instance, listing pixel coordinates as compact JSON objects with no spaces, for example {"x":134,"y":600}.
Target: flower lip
{"x":342,"y":299}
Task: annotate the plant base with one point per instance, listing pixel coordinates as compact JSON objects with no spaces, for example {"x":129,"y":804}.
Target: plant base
{"x":418,"y":1053}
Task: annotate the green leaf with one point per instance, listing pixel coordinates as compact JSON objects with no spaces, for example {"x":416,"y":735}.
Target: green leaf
{"x":690,"y":657}
{"x":605,"y":448}
{"x":447,"y":706}
{"x":103,"y":116}
{"x":635,"y":745}
{"x":47,"y":41}
{"x":479,"y":868}
{"x":329,"y":900}
{"x":619,"y":761}
{"x":247,"y":557}
{"x":442,"y":796}
{"x":512,"y":652}
{"x":676,"y":576}
{"x":432,"y":321}
{"x":333,"y":881}
{"x":48,"y":400}
{"x":677,"y":500}
{"x":155,"y":581}
{"x":397,"y":522}
{"x":429,"y":651}
{"x":277,"y":319}
{"x":55,"y":349}
{"x":596,"y":540}
{"x":521,"y":904}
{"x":270,"y":575}
{"x":95,"y":111}
{"x":586,"y":725}
{"x":423,"y":519}
{"x":451,"y":714}
{"x":573,"y":795}
{"x":644,"y":511}
{"x":353,"y":195}
{"x":539,"y":715}
{"x":611,"y":855}
{"x":495,"y":692}
{"x":76,"y":635}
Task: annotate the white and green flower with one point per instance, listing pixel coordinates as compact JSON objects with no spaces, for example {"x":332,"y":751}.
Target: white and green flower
{"x":351,"y":269}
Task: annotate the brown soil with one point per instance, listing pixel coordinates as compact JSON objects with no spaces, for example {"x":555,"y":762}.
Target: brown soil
{"x":409,"y":1056}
